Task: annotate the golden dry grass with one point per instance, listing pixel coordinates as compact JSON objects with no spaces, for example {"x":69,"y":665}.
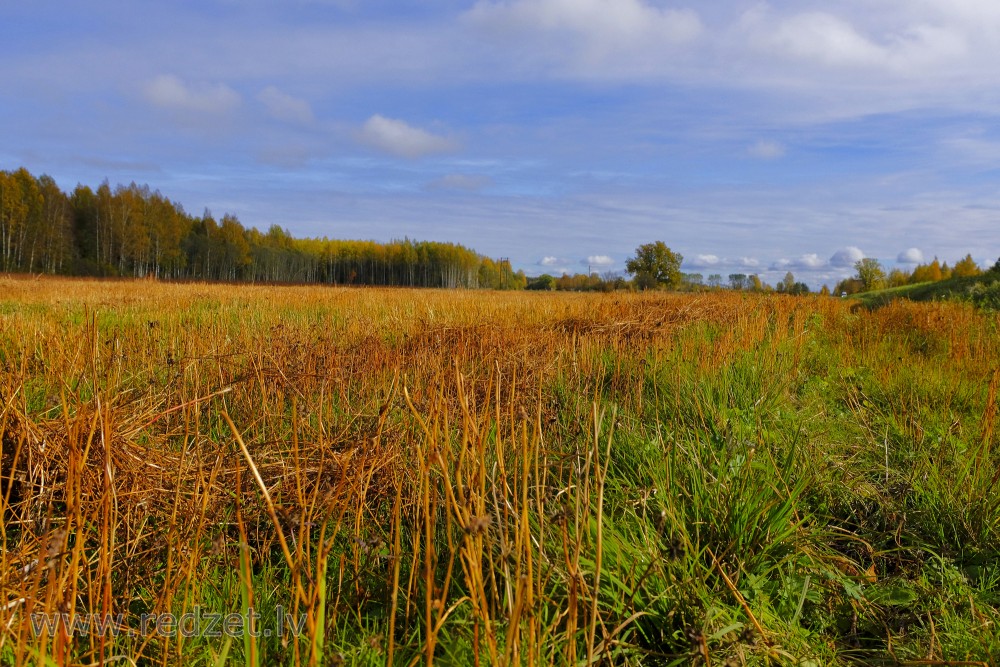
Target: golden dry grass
{"x":386,"y":453}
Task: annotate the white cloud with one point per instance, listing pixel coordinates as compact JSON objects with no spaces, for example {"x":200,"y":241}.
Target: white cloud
{"x":767,"y":150}
{"x":703,"y":261}
{"x":598,"y":261}
{"x":748,"y":262}
{"x":550,"y":261}
{"x":285,"y":107}
{"x":810,"y":261}
{"x":847,"y":257}
{"x":616,"y":39}
{"x":169,"y":92}
{"x":824,"y":37}
{"x":910,"y":256}
{"x":467,"y":182}
{"x":608,"y":23}
{"x":907,"y":45}
{"x":398,"y":138}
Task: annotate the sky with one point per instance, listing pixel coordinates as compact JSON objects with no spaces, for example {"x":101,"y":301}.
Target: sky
{"x":751,"y":137}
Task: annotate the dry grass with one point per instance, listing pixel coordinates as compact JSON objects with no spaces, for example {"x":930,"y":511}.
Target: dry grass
{"x":439,"y":475}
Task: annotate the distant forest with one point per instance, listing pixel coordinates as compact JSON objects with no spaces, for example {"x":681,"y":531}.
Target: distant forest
{"x":132,"y":231}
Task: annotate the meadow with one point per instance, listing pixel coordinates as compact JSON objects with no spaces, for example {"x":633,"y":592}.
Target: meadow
{"x":494,"y":478}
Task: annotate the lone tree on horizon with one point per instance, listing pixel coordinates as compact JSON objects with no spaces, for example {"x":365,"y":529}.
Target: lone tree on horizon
{"x":870,"y":274}
{"x":655,"y":265}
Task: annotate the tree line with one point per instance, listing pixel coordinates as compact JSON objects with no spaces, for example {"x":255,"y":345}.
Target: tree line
{"x":656,"y":266}
{"x":872,"y":276}
{"x":133,"y":231}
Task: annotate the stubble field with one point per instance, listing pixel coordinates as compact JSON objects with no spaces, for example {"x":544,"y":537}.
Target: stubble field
{"x":364,"y":476}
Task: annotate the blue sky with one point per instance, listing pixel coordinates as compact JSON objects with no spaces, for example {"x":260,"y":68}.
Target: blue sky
{"x":749,"y":136}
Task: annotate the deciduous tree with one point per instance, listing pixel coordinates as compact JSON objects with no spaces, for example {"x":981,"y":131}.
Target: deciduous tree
{"x":655,"y":265}
{"x":870,"y":274}
{"x":898,"y":278}
{"x":966,"y":268}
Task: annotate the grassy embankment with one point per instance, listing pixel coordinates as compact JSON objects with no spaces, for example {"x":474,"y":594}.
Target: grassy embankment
{"x":498,"y":478}
{"x":982,"y":291}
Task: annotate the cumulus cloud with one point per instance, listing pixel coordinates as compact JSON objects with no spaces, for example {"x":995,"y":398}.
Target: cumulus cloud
{"x":703,"y":261}
{"x":748,"y":262}
{"x":403,"y":140}
{"x":808,"y":262}
{"x":285,"y":107}
{"x":550,"y":261}
{"x":467,"y":182}
{"x":910,"y":256}
{"x":847,"y":257}
{"x":169,"y":92}
{"x":598,"y":261}
{"x":767,"y":150}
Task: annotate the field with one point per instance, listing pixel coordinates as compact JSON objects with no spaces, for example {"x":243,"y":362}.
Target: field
{"x":474,"y":478}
